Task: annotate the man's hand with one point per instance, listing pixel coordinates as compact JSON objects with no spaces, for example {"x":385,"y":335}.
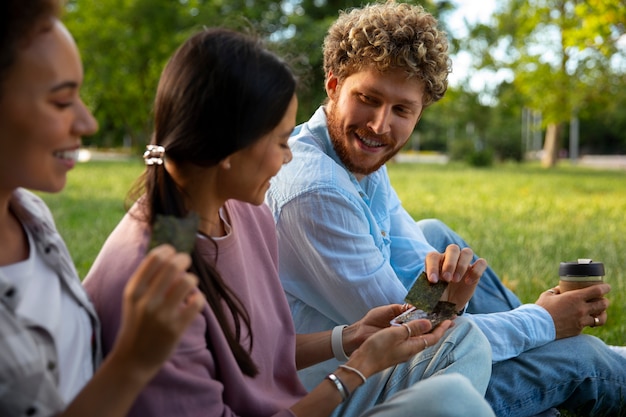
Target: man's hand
{"x":573,"y":310}
{"x":455,"y":267}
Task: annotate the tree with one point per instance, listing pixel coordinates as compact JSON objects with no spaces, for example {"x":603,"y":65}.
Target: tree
{"x":126,"y":43}
{"x":563,"y":54}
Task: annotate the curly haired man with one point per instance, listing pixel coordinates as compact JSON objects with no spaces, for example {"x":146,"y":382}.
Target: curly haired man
{"x":347,"y":244}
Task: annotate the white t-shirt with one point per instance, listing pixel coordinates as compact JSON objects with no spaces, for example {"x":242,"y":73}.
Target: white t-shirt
{"x":46,"y":302}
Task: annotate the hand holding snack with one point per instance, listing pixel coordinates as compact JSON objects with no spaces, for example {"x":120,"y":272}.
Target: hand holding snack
{"x":456,"y":268}
{"x":424,"y":302}
{"x":396,"y":344}
{"x":160,"y":300}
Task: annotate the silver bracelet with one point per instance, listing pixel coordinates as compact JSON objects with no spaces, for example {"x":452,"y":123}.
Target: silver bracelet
{"x":356,"y":371}
{"x":336,"y":343}
{"x":343,"y":391}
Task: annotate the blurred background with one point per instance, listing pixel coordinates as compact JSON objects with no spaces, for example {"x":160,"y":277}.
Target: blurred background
{"x":542,"y":80}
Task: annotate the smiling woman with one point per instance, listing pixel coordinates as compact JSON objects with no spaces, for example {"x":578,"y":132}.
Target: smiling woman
{"x":49,"y":331}
{"x":43,"y":85}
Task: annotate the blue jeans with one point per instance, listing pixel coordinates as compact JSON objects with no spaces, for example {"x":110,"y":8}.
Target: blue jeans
{"x":577,"y":373}
{"x":447,"y":379}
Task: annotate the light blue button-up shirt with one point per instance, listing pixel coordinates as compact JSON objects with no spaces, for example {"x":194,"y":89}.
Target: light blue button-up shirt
{"x":346,"y":246}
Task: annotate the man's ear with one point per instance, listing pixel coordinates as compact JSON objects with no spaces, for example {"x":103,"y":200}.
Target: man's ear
{"x":331,"y":84}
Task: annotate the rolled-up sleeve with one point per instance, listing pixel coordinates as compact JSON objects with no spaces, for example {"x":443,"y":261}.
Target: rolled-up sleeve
{"x":511,"y":333}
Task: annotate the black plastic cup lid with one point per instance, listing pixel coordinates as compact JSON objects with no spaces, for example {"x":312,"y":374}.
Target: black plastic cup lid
{"x":582,"y":267}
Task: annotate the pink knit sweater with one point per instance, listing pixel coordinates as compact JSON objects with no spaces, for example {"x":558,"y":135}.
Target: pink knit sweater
{"x":201,"y":381}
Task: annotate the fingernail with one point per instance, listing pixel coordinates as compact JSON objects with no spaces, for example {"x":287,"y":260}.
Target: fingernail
{"x":447,"y":276}
{"x":434,"y":278}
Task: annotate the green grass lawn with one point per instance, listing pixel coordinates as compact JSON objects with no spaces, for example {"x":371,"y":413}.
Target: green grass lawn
{"x":90,"y":206}
{"x":522,"y":219}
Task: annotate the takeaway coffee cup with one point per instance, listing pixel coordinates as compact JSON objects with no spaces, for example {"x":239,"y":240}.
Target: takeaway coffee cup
{"x":580,"y":274}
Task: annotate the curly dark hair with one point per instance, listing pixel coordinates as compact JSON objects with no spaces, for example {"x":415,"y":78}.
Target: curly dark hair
{"x":390,"y":36}
{"x":19,"y":20}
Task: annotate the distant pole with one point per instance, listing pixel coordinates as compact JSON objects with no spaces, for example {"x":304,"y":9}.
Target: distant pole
{"x":525,"y":141}
{"x":415,"y":141}
{"x":574,"y":138}
{"x":537,"y":130}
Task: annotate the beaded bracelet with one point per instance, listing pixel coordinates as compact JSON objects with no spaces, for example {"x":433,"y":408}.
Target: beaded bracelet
{"x":336,"y":343}
{"x":343,"y":391}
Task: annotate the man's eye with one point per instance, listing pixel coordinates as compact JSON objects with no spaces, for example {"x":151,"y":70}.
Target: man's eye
{"x":367,"y":99}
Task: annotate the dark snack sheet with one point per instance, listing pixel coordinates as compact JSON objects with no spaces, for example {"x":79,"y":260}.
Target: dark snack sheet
{"x":178,"y":232}
{"x":426,"y":299}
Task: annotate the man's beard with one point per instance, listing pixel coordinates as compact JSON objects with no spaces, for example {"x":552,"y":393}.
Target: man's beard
{"x":345,"y":156}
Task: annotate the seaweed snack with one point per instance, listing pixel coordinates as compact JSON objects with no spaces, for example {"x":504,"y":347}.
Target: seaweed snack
{"x":176,"y":231}
{"x":424,"y":295}
{"x":425,"y":299}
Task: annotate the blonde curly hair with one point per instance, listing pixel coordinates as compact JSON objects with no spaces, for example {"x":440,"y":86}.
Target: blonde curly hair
{"x":388,"y":36}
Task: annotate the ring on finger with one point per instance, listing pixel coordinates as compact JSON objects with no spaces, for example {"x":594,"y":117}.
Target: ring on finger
{"x":408,"y":330}
{"x":551,"y":291}
{"x":596,"y":321}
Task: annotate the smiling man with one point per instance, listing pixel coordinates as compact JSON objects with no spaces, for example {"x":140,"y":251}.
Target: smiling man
{"x":370,"y":118}
{"x":346,"y":243}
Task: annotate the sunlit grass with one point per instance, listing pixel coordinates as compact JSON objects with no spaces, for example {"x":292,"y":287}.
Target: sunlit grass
{"x":90,"y":206}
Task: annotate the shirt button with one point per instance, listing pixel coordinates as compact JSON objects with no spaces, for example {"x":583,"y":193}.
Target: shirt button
{"x":10,"y":292}
{"x":383,"y":233}
{"x":52,"y":366}
{"x":31,"y":411}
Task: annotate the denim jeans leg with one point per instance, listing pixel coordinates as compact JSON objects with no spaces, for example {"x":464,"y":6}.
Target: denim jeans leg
{"x":579,"y":374}
{"x":463,"y":350}
{"x":449,"y":395}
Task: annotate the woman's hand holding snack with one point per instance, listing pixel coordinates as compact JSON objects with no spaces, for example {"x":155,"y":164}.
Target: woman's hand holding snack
{"x":160,"y":301}
{"x":375,"y":320}
{"x":395,"y":344}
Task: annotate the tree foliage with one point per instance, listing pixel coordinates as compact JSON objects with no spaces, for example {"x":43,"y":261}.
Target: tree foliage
{"x":126,"y":43}
{"x":564,"y":54}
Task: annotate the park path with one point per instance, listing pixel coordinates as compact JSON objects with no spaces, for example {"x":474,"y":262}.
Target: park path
{"x":594,"y":161}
